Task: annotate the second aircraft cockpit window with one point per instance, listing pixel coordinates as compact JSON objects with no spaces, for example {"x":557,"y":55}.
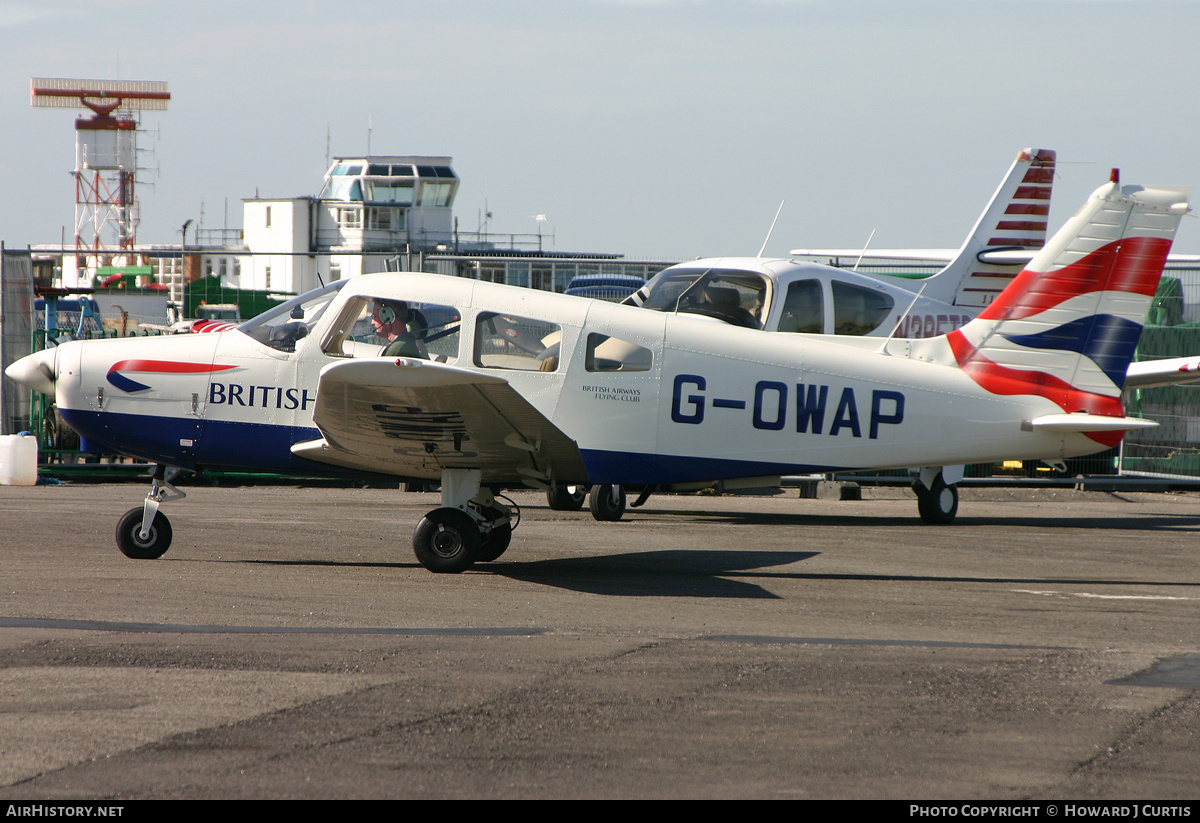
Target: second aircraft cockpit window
{"x":737,"y":297}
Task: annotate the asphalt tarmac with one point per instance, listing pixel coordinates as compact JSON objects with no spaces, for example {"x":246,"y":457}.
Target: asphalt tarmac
{"x":1045,"y":646}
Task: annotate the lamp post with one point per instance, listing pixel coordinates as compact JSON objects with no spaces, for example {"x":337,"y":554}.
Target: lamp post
{"x":182,"y":265}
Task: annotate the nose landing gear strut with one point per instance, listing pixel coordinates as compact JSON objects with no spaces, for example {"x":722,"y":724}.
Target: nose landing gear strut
{"x":143,"y":532}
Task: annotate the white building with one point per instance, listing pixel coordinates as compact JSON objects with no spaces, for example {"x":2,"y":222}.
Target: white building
{"x":370,"y":210}
{"x":374,"y":213}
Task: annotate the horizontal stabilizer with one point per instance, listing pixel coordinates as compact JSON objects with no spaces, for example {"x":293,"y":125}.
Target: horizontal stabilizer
{"x":1089,"y":423}
{"x":1147,"y":374}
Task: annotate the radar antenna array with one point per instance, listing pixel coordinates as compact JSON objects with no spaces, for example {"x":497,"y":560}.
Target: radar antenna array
{"x":106,"y":212}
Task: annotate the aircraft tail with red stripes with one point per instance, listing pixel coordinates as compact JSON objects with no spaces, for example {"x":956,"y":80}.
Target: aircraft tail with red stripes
{"x":1067,"y":326}
{"x":1014,"y":223}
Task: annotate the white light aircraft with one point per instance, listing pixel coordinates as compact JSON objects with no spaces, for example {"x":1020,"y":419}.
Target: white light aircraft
{"x":528,"y":388}
{"x":797,"y":296}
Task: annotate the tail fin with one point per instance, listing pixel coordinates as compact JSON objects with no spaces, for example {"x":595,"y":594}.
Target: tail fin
{"x":1067,"y":326}
{"x":1014,"y":221}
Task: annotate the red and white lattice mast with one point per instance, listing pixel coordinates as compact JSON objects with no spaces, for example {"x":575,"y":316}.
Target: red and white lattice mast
{"x":105,"y":158}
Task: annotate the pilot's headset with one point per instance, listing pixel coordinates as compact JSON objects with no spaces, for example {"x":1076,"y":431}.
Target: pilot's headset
{"x":386,"y":311}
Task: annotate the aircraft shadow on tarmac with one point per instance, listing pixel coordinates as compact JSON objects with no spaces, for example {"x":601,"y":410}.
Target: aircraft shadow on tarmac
{"x":681,"y":573}
{"x":730,"y":573}
{"x":667,"y":573}
{"x":709,"y":573}
{"x":670,"y":573}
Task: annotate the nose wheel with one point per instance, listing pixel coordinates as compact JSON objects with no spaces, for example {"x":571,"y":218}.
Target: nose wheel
{"x":144,"y":533}
{"x":139,"y":545}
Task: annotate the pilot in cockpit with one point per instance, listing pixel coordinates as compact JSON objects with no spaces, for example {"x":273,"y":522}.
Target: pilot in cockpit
{"x":399,"y":329}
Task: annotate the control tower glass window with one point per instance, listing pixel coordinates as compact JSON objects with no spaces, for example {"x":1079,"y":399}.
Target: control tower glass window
{"x":342,"y":187}
{"x":391,"y":191}
{"x":435,"y":194}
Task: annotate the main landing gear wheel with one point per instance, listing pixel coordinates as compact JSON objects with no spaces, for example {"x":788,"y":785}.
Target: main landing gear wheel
{"x":133,"y":544}
{"x":566,"y":498}
{"x":938,"y":505}
{"x":607,"y":502}
{"x":448,"y":541}
{"x":495,"y":543}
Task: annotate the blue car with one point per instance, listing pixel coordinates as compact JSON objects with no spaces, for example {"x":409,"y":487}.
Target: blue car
{"x":614,"y":287}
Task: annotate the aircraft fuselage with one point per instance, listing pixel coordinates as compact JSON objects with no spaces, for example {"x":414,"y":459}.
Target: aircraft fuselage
{"x":661,"y":398}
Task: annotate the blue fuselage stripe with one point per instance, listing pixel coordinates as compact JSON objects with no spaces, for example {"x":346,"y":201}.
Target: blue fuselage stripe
{"x":636,"y":468}
{"x":216,"y":444}
{"x":222,"y":444}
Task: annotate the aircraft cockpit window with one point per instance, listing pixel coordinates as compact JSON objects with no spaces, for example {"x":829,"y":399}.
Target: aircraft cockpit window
{"x":284,"y":326}
{"x":504,"y":341}
{"x":737,"y":297}
{"x":605,"y":354}
{"x":859,"y":311}
{"x":373,"y":327}
{"x":803,"y":308}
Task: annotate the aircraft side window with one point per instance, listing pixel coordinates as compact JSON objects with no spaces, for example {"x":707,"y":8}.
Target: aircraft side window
{"x":858,"y":311}
{"x":606,"y":354}
{"x":505,"y":341}
{"x":803,"y":308}
{"x":371,"y":327}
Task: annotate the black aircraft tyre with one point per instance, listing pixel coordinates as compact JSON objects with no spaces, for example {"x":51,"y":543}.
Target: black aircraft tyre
{"x":496,"y":543}
{"x":447,"y":541}
{"x":129,"y":539}
{"x":938,"y":505}
{"x":607,"y":502}
{"x":566,"y":498}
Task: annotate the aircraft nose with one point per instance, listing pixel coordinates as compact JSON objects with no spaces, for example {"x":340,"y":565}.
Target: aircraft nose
{"x":35,"y":371}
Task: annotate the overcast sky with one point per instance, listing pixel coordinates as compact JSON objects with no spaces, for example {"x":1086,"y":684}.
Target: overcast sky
{"x":661,"y":129}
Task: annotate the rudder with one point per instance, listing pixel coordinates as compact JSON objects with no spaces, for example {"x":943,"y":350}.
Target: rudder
{"x":1067,"y":326}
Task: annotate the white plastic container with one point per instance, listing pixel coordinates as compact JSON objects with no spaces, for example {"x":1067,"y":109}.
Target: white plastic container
{"x":18,"y":460}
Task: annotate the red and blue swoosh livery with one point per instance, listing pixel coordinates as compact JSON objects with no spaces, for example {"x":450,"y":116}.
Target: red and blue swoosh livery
{"x":117,"y":372}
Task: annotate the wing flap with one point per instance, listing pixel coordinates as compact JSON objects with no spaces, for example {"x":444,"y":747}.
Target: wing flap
{"x":414,"y":418}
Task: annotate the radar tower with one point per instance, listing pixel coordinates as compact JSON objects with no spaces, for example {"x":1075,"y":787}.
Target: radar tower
{"x":106,"y":213}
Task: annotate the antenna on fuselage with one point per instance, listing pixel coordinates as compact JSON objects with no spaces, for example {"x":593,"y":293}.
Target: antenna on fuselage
{"x":772,"y":229}
{"x":883,"y":346}
{"x":864,"y":250}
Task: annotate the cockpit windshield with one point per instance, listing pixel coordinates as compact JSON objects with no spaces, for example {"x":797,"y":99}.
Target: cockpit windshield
{"x":733,"y":295}
{"x":286,"y":324}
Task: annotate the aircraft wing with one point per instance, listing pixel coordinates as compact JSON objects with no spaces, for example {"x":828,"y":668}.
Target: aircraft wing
{"x":999,"y":256}
{"x":1172,"y":371}
{"x":413,"y":418}
{"x":924,"y":255}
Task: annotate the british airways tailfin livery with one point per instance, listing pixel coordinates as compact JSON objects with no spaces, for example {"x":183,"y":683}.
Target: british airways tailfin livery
{"x":511,"y":387}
